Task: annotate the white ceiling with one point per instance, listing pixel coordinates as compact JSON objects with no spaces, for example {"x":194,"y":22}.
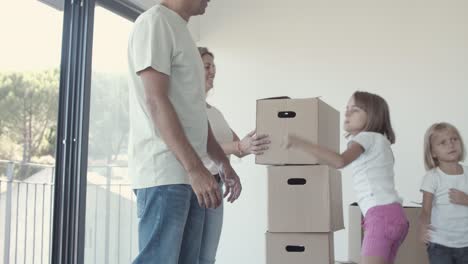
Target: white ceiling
{"x":145,"y":4}
{"x":57,"y":4}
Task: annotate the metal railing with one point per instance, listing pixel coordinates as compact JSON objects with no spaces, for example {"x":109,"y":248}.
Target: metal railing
{"x":26,"y":211}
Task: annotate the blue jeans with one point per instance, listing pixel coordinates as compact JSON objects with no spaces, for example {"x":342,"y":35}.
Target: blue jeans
{"x":439,"y":254}
{"x":170,"y":225}
{"x":211,"y":233}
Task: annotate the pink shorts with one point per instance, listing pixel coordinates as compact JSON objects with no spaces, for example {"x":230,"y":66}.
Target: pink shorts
{"x":385,"y":229}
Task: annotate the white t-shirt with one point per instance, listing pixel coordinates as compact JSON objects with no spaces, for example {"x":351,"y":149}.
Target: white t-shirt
{"x":160,"y":39}
{"x":450,"y":221}
{"x":221,"y":131}
{"x":373,"y":174}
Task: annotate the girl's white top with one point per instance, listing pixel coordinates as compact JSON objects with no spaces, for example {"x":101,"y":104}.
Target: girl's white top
{"x":450,"y":221}
{"x":373,"y":174}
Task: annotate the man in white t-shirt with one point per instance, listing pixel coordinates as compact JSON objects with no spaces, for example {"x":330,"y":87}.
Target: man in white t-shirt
{"x":169,"y":132}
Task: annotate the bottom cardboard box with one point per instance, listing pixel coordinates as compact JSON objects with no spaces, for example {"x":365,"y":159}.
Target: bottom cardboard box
{"x":411,"y":251}
{"x":299,"y":248}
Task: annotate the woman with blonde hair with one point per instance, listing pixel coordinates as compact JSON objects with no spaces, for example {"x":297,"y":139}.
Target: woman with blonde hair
{"x":232,"y":145}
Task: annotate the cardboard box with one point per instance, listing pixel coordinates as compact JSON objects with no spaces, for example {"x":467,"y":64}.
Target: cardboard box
{"x":299,"y":248}
{"x":311,"y":119}
{"x":411,"y":251}
{"x":304,"y":199}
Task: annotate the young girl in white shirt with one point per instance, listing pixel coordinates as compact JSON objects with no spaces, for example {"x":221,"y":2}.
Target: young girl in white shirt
{"x":444,"y":217}
{"x":369,"y":153}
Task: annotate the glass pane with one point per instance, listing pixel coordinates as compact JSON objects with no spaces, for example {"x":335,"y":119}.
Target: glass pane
{"x":29,"y":84}
{"x":110,"y":207}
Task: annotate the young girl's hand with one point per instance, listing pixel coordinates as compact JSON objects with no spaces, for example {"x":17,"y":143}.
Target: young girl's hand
{"x":424,"y":233}
{"x":287,"y":141}
{"x":291,"y":140}
{"x":458,"y":197}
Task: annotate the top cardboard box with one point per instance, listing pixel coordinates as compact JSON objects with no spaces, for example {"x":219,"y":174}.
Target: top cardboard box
{"x":309,"y":118}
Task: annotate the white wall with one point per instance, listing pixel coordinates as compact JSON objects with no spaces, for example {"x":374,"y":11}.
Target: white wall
{"x":413,"y":53}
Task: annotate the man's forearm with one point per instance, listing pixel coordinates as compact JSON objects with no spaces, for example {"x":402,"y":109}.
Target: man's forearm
{"x":170,"y":128}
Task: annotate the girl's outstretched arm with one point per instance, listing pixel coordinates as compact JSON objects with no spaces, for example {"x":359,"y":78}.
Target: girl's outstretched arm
{"x":326,"y":155}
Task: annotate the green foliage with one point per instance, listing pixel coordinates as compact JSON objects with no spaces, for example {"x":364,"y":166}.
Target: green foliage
{"x":9,"y":150}
{"x":109,"y":125}
{"x":28,"y":116}
{"x":28,"y":109}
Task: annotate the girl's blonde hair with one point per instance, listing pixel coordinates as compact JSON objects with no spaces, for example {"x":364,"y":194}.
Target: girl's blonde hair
{"x":378,"y":114}
{"x":429,"y":161}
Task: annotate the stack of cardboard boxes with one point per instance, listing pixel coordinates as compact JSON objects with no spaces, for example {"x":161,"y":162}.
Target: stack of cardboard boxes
{"x":304,"y":197}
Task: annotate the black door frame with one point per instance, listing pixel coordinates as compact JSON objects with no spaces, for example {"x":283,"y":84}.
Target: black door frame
{"x":68,"y":230}
{"x":72,"y":133}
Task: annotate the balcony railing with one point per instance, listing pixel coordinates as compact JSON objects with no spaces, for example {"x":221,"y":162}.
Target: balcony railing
{"x":26,"y":210}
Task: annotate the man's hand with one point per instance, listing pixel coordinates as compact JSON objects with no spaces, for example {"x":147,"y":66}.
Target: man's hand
{"x":205,"y":187}
{"x":458,"y":197}
{"x":231,"y":182}
{"x":165,"y":118}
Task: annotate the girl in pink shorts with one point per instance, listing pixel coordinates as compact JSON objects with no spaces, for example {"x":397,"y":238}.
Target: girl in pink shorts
{"x":370,"y":156}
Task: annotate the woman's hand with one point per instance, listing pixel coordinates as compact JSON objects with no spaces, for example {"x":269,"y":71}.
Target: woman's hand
{"x":231,"y":182}
{"x":291,"y":140}
{"x":254,"y":144}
